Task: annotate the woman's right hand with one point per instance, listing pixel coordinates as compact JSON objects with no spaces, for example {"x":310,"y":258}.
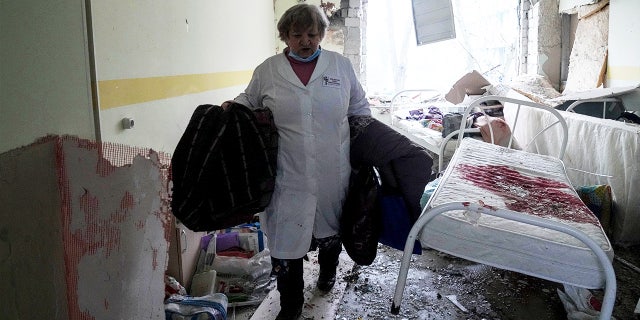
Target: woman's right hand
{"x":226,"y":104}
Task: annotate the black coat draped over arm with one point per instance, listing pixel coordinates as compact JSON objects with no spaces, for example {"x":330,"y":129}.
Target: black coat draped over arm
{"x":403,"y":165}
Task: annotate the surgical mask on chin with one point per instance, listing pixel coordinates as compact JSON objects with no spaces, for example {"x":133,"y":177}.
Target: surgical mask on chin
{"x":307,"y":59}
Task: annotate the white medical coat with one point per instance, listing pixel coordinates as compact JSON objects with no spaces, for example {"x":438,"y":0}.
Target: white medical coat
{"x":313,"y":147}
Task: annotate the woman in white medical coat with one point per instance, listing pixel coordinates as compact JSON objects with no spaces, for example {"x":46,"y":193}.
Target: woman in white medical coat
{"x":310,"y":92}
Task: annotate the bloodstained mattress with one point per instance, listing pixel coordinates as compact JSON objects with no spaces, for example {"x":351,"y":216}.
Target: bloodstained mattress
{"x":527,"y":183}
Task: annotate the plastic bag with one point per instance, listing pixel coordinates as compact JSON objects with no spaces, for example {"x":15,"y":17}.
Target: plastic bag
{"x":429,"y":189}
{"x":172,"y":286}
{"x":209,"y":307}
{"x":579,"y":303}
{"x":241,"y":261}
{"x":243,"y":279}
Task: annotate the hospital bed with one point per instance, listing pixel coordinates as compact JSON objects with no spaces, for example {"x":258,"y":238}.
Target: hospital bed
{"x":515,"y":210}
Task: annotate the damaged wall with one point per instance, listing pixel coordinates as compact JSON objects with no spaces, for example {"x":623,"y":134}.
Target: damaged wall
{"x":353,"y":13}
{"x":601,"y":54}
{"x":83,"y":231}
{"x":565,"y":5}
{"x":543,"y":47}
{"x":588,"y":59}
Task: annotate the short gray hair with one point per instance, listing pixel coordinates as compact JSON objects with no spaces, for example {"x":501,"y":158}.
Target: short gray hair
{"x":301,"y":17}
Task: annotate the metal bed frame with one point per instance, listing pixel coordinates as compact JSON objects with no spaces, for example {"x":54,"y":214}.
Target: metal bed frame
{"x":429,"y":212}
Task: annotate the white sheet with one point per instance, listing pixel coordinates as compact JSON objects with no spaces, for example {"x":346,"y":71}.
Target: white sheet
{"x":419,"y":133}
{"x":430,"y":139}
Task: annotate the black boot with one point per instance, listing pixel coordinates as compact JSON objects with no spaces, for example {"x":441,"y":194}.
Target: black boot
{"x":328,"y":253}
{"x":290,"y":286}
{"x":289,"y":313}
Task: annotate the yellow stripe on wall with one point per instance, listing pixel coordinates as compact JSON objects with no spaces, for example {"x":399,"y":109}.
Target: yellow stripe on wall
{"x":623,"y":72}
{"x":117,"y":93}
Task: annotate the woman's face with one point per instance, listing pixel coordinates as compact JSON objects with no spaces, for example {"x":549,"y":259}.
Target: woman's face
{"x":304,"y":44}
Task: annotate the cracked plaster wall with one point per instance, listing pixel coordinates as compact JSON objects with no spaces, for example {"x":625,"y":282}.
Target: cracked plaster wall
{"x":83,"y":235}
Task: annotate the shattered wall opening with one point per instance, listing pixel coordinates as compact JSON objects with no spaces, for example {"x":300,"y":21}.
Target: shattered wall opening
{"x":486,"y":40}
{"x":588,"y":59}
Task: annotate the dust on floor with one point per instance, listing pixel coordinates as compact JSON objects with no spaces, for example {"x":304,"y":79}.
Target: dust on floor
{"x":435,"y":280}
{"x":483,"y":291}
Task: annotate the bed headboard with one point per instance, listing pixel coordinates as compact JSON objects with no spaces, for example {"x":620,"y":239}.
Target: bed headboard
{"x":554,"y":131}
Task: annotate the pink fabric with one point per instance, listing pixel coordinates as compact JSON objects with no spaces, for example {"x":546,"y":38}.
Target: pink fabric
{"x":302,"y":69}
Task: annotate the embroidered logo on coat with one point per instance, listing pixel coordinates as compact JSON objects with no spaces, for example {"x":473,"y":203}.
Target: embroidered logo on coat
{"x":329,"y":81}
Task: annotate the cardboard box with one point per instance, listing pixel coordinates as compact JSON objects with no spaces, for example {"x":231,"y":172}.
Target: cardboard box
{"x":472,"y":83}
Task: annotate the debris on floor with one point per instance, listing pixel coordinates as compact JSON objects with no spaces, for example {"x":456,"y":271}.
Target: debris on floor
{"x":484,"y":291}
{"x":454,"y":300}
{"x":366,"y":292}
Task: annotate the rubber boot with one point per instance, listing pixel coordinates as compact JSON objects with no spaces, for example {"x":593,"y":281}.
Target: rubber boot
{"x":290,"y":285}
{"x":329,"y":250}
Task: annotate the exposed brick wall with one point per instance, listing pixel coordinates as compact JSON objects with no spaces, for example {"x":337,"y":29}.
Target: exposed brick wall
{"x":353,"y":13}
{"x":540,"y":40}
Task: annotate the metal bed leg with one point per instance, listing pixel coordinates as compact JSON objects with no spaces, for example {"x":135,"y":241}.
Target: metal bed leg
{"x":406,"y":259}
{"x":424,"y":218}
{"x":428,"y":215}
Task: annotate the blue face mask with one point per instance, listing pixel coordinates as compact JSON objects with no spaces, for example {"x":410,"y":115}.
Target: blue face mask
{"x":307,"y":59}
